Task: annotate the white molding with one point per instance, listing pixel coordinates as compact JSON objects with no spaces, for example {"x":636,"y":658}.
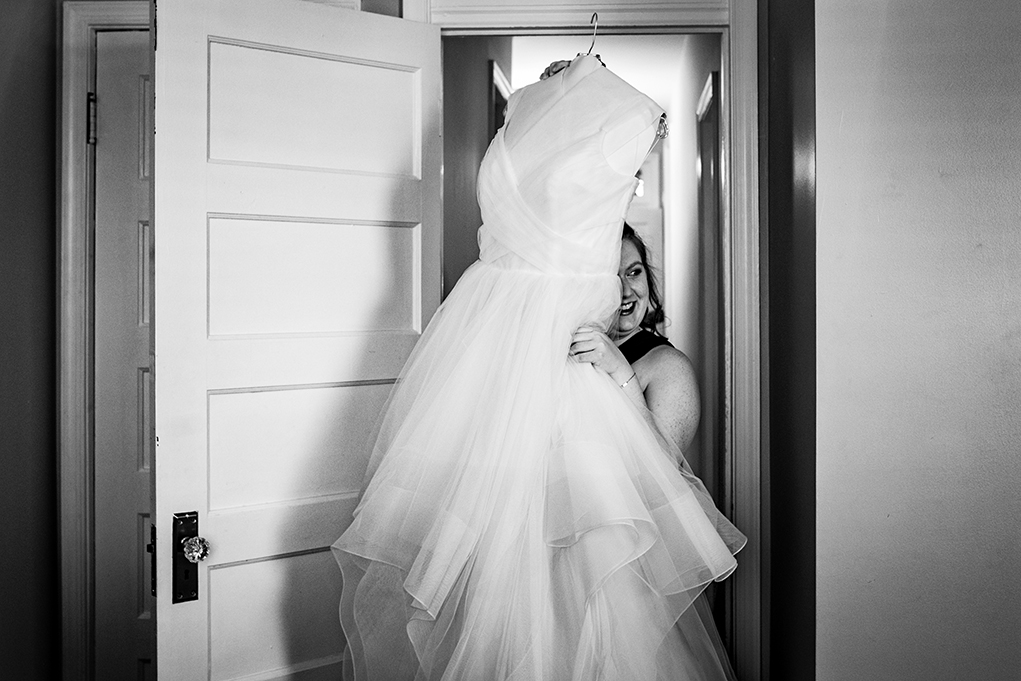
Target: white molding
{"x":564,"y":16}
{"x":750,"y":585}
{"x":81,"y":22}
{"x":503,"y":85}
{"x":417,"y":10}
{"x":461,"y":14}
{"x":705,"y":99}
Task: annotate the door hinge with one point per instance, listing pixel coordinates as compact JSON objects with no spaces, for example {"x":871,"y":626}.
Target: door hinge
{"x":91,"y":129}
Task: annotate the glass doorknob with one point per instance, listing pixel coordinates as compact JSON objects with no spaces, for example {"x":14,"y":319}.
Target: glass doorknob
{"x":195,"y":548}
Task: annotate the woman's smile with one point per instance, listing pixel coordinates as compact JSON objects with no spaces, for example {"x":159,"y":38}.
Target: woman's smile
{"x":634,"y":290}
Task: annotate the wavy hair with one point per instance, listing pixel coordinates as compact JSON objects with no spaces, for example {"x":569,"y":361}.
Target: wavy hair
{"x":655,"y":316}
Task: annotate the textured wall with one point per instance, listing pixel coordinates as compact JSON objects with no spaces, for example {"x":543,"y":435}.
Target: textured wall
{"x":919,"y":339}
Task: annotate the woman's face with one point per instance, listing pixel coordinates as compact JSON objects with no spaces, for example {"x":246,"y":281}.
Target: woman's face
{"x":634,"y":299}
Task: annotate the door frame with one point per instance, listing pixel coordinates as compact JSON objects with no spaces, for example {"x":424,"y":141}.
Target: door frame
{"x":748,"y":442}
{"x":75,"y":463}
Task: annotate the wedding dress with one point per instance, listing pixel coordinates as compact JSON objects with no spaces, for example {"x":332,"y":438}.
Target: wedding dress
{"x":521,"y":518}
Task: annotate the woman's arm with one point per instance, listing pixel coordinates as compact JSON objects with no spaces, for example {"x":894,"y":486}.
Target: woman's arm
{"x":663,"y":381}
{"x":671,"y":392}
{"x":595,"y":347}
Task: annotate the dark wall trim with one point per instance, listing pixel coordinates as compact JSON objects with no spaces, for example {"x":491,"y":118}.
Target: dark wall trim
{"x":29,"y":616}
{"x":787,"y":84}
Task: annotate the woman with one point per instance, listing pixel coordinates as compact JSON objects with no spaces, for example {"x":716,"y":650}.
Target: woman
{"x":663,"y":377}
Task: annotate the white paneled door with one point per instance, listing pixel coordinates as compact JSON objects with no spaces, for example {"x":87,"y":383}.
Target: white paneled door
{"x":297,"y":240}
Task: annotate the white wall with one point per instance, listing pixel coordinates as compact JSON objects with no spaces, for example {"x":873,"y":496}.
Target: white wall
{"x":682,"y":243}
{"x":700,"y":56}
{"x":919,"y":339}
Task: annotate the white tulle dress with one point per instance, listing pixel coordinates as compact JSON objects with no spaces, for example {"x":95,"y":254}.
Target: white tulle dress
{"x":521,"y":518}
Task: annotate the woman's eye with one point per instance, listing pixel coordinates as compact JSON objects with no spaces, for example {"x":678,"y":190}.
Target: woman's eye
{"x":634,"y":273}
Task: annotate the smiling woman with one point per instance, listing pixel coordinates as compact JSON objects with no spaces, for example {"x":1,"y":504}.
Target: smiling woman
{"x":666,"y":374}
{"x":640,"y":289}
{"x":639,"y":355}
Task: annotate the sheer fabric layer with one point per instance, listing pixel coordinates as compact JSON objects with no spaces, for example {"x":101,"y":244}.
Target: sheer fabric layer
{"x":539,"y":531}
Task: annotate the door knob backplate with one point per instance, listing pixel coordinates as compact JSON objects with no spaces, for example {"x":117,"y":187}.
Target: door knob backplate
{"x":189,"y":548}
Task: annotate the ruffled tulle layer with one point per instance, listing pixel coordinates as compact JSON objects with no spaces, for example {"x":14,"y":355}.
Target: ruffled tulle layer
{"x":521,"y":518}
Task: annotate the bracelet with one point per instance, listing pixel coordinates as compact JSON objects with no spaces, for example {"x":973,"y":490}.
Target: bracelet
{"x":624,"y":384}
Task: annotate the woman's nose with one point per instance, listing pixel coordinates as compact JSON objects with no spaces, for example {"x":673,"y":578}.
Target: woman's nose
{"x":625,"y":287}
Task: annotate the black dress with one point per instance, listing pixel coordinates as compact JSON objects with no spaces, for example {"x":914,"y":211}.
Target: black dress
{"x":639,"y":345}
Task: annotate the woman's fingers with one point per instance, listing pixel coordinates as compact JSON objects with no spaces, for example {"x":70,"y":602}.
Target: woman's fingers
{"x":581,"y":345}
{"x":586,"y":346}
{"x":587,"y":332}
{"x":591,"y":345}
{"x":553,"y":69}
{"x":584,"y":337}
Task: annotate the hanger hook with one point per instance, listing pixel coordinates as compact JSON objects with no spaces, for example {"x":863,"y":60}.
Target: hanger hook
{"x":595,"y":27}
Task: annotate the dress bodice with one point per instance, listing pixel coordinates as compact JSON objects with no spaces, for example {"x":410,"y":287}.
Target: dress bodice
{"x":550,"y":199}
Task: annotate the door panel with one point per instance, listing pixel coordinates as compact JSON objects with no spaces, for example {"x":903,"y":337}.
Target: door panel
{"x":297,"y":222}
{"x":306,"y":427}
{"x":274,"y":106}
{"x":287,"y":277}
{"x":276,"y":611}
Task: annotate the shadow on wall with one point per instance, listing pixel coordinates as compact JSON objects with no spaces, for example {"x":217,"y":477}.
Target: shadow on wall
{"x":466,"y":137}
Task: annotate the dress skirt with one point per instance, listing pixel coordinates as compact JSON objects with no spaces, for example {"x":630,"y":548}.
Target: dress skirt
{"x":521,"y":518}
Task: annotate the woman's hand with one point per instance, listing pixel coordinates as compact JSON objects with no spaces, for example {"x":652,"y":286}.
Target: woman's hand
{"x":554,"y":68}
{"x":595,"y":347}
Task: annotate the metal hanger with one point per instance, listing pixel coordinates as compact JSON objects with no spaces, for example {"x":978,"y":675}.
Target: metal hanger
{"x":595,"y":27}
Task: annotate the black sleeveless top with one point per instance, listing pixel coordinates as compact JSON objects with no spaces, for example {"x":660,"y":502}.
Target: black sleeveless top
{"x":638,"y":345}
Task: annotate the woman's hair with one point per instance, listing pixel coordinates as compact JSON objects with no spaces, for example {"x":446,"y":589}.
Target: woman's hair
{"x":655,"y":316}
